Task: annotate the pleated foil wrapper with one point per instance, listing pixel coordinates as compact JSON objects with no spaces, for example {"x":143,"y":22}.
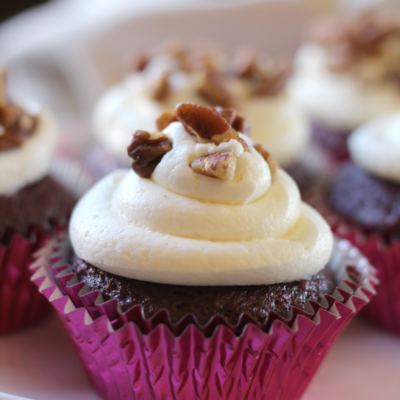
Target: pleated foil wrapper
{"x":128,"y":356}
{"x":384,"y":309}
{"x":21,"y":305}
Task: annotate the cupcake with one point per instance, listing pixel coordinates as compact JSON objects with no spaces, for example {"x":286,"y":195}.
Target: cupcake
{"x":201,"y":273}
{"x":363,"y":205}
{"x":32,"y":204}
{"x":346,"y":73}
{"x":256,"y":88}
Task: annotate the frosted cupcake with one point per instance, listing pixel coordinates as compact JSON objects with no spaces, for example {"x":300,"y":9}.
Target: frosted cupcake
{"x":255,"y":88}
{"x":345,"y":73}
{"x":200,"y":265}
{"x":366,"y":194}
{"x":31,"y":205}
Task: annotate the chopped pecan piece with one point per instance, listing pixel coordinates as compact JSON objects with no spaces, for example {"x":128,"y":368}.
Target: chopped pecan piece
{"x":220,"y":165}
{"x":140,"y":62}
{"x":236,"y":121}
{"x":165,"y":119}
{"x":178,"y":51}
{"x":272,"y":163}
{"x":159,"y":89}
{"x":15,"y":123}
{"x":206,"y":124}
{"x":201,"y":121}
{"x":146,"y":151}
{"x":9,"y":115}
{"x":273,"y":80}
{"x":211,"y":88}
{"x":245,"y":63}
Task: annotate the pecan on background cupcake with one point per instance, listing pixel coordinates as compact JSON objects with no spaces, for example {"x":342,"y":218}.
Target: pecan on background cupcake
{"x":253,"y":86}
{"x":345,"y":73}
{"x":201,"y":273}
{"x":31,"y":205}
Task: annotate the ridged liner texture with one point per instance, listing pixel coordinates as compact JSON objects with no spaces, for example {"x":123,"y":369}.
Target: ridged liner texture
{"x":21,"y":304}
{"x":384,"y":309}
{"x":130,"y":357}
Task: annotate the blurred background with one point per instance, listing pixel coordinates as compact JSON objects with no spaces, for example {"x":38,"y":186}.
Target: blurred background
{"x":66,"y":52}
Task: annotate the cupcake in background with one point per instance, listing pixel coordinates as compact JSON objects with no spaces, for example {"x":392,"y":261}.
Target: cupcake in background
{"x":363,"y":206}
{"x":202,"y":75}
{"x":201,"y":273}
{"x":345,"y":73}
{"x":32,"y":204}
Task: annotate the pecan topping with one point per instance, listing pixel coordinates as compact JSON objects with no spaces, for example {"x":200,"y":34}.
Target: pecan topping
{"x":349,"y":40}
{"x":159,"y":88}
{"x":165,"y":119}
{"x":236,"y":121}
{"x":211,"y":88}
{"x":272,"y":80}
{"x":220,"y":165}
{"x":272,"y":163}
{"x":15,"y":124}
{"x":140,"y":62}
{"x":146,"y":151}
{"x":245,"y":63}
{"x":206,"y":124}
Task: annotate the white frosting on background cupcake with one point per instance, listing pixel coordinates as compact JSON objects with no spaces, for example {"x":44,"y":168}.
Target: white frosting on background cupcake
{"x":276,"y":121}
{"x":30,"y":162}
{"x":375,"y":146}
{"x":337,"y":99}
{"x":181,"y":227}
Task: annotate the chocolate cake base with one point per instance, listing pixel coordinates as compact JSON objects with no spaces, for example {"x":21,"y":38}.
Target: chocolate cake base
{"x":369,"y":202}
{"x":333,"y":142}
{"x":206,"y":301}
{"x":41,"y":204}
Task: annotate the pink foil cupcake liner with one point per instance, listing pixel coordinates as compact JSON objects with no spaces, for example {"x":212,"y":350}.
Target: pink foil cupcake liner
{"x":130,"y":357}
{"x":21,"y":304}
{"x":384,"y":309}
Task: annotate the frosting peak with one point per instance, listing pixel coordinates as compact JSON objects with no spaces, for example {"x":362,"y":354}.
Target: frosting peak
{"x":202,"y":156}
{"x":375,"y":146}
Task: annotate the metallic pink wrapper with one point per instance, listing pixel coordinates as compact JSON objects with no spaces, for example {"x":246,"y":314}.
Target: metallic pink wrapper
{"x":130,"y":357}
{"x":384,"y":309}
{"x":21,"y":304}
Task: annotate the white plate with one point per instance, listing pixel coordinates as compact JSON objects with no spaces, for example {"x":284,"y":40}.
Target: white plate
{"x":41,"y":364}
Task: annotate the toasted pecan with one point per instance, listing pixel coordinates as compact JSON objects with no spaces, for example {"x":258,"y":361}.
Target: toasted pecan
{"x":219,"y":165}
{"x":146,"y":151}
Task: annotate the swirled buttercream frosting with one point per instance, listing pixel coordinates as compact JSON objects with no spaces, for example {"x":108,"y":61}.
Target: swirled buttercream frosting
{"x":375,"y":146}
{"x":208,"y":209}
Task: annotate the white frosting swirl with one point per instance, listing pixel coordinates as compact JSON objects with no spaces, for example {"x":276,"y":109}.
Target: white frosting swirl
{"x":375,"y":146}
{"x":126,"y":107}
{"x":337,"y":99}
{"x":278,"y":123}
{"x":31,"y":161}
{"x":183,"y":228}
{"x":252,"y":176}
